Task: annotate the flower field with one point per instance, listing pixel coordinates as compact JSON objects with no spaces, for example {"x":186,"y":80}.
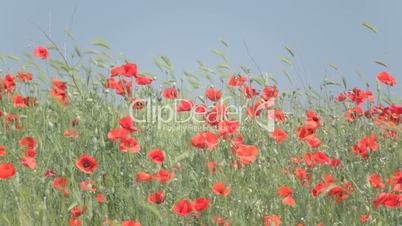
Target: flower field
{"x":90,"y":139}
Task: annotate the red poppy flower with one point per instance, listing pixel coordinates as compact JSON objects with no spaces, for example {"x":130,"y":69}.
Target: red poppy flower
{"x":157,"y":197}
{"x":130,"y":223}
{"x":8,"y":83}
{"x":144,"y":177}
{"x":129,"y":145}
{"x":313,"y":142}
{"x":358,"y":96}
{"x":59,"y":91}
{"x":126,"y":70}
{"x":24,"y":76}
{"x":220,"y":188}
{"x":127,"y":123}
{"x":213,"y":94}
{"x":41,"y":52}
{"x":118,"y":133}
{"x":28,"y":162}
{"x":205,"y":140}
{"x":74,"y":222}
{"x":143,"y":80}
{"x":255,"y":109}
{"x":397,"y":181}
{"x":228,"y":127}
{"x":71,"y":133}
{"x":318,"y":189}
{"x":28,"y":142}
{"x":306,"y":131}
{"x":322,"y":186}
{"x":289,"y":201}
{"x":388,"y":200}
{"x":364,"y":218}
{"x":334,"y":162}
{"x":66,"y":192}
{"x":201,"y":108}
{"x":272,"y":220}
{"x":279,"y":135}
{"x":249,"y":91}
{"x":320,"y":157}
{"x":2,"y":151}
{"x":86,"y":164}
{"x":170,"y":93}
{"x":19,"y":101}
{"x":279,"y":116}
{"x":137,"y":104}
{"x":78,"y":211}
{"x":302,"y":176}
{"x":328,"y":179}
{"x":50,"y":173}
{"x":247,"y":153}
{"x":284,"y":191}
{"x":375,"y":181}
{"x":29,"y":153}
{"x":313,"y":119}
{"x":217,"y":114}
{"x":59,"y":183}
{"x":269,"y":92}
{"x":88,"y":185}
{"x":183,"y":207}
{"x":157,"y":155}
{"x":236,"y":80}
{"x":185,"y":105}
{"x":211,"y":167}
{"x":341,"y":97}
{"x":164,"y":176}
{"x":100,"y":198}
{"x":339,"y":192}
{"x":122,"y":87}
{"x":237,"y":140}
{"x":364,"y":145}
{"x":200,"y":204}
{"x":7,"y":170}
{"x":386,"y":78}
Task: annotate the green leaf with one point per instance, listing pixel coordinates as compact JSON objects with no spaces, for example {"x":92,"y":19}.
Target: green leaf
{"x":333,"y":66}
{"x":167,"y":61}
{"x":77,"y":51}
{"x":273,"y":79}
{"x":69,"y":34}
{"x":286,"y":60}
{"x":288,"y":76}
{"x":194,"y":82}
{"x":225,"y":66}
{"x":219,"y":53}
{"x":370,"y":27}
{"x":245,"y":69}
{"x":224,"y":43}
{"x":290,"y":51}
{"x":12,"y":57}
{"x":153,"y":210}
{"x":331,"y":82}
{"x":158,"y":63}
{"x":259,"y":80}
{"x":344,"y":83}
{"x":380,"y":63}
{"x":101,"y":43}
{"x":182,"y":156}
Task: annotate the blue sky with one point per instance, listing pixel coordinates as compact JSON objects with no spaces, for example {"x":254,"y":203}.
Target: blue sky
{"x":319,"y":32}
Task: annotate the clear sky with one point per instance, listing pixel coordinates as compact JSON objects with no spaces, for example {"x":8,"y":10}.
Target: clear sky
{"x":320,"y":32}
